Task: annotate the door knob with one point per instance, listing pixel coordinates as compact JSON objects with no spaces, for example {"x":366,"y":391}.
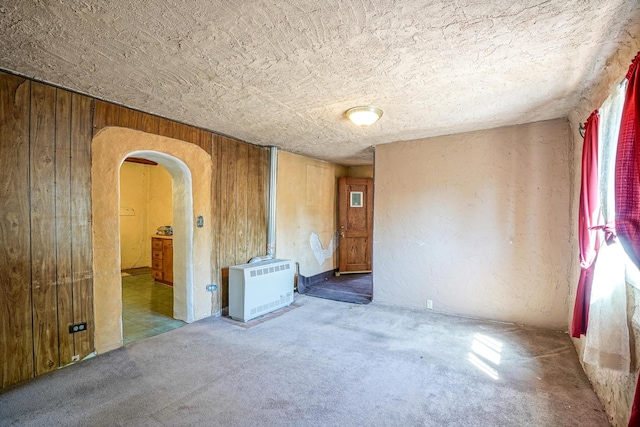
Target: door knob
{"x":342,"y":234}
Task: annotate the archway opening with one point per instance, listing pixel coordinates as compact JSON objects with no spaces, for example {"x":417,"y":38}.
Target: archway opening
{"x":146,"y":249}
{"x":190,"y":169}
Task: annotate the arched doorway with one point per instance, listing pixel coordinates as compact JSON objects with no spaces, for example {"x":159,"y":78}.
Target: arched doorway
{"x":190,"y":168}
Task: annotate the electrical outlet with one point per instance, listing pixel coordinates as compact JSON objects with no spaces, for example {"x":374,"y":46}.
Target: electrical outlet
{"x":429,"y":304}
{"x":75,"y":358}
{"x":212,"y":287}
{"x":77,"y":327}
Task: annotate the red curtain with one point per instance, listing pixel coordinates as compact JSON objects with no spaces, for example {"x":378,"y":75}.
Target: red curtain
{"x":588,"y":237}
{"x":627,"y":187}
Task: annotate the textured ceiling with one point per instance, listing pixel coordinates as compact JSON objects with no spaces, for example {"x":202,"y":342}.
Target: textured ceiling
{"x":283,"y":72}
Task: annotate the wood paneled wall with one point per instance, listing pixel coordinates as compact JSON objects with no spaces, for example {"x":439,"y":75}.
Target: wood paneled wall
{"x":240,"y":183}
{"x":45,"y":228}
{"x":46,"y":262}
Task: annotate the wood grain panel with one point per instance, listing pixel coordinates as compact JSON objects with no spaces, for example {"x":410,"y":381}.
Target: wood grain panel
{"x":82,"y":273}
{"x":43,"y":238}
{"x":260,"y":215}
{"x":106,"y":114}
{"x":150,"y":123}
{"x":205,"y":140}
{"x":223,"y":218}
{"x":189,"y":134}
{"x":63,"y":226}
{"x":253,"y":182}
{"x":16,"y":340}
{"x":215,"y":216}
{"x":45,"y":216}
{"x":242,"y":174}
{"x":168,"y":128}
{"x":131,"y":119}
{"x":232,"y":196}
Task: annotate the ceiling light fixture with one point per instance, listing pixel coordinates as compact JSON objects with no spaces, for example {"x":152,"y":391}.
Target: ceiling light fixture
{"x":364,"y":115}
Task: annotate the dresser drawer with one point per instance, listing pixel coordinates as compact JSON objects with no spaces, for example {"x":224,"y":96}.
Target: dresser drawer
{"x":156,"y":264}
{"x":162,"y":259}
{"x":157,"y":274}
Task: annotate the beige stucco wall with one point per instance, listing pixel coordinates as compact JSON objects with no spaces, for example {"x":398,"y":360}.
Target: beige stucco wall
{"x":476,"y":222}
{"x":363,"y":171}
{"x":160,"y":199}
{"x":134,"y":186}
{"x":615,"y":389}
{"x":145,"y":205}
{"x":306,"y":201}
{"x":190,"y":168}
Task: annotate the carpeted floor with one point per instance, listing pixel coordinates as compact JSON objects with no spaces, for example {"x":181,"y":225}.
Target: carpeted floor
{"x":324,"y":363}
{"x":353,"y":288}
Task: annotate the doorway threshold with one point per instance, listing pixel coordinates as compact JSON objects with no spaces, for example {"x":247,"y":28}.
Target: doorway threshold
{"x":351,"y":288}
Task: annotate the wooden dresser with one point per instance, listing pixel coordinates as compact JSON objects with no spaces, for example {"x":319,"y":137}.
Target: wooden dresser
{"x":162,"y":259}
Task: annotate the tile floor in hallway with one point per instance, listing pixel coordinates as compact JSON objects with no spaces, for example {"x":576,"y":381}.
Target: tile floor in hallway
{"x":147,"y":308}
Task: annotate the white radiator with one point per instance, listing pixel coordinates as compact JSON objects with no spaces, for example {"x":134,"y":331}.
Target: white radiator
{"x":260,"y":288}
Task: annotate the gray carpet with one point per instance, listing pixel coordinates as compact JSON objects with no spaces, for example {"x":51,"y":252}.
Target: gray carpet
{"x":323,"y":364}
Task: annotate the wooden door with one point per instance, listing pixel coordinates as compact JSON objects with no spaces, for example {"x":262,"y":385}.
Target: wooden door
{"x":355,"y":207}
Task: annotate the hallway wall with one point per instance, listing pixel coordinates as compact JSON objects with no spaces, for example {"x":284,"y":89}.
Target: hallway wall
{"x":476,"y":222}
{"x":145,"y":204}
{"x":307,"y":203}
{"x":615,"y":389}
{"x":45,"y":228}
{"x":45,"y":216}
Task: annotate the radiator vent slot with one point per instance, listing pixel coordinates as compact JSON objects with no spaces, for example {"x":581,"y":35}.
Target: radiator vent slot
{"x":269,"y":270}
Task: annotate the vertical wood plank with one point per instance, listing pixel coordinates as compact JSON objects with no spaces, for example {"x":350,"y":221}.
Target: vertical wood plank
{"x":130,"y":119}
{"x":263,"y":195}
{"x":215,"y":218}
{"x":168,"y":128}
{"x":16,"y":339}
{"x":223,"y":214}
{"x":81,"y":251}
{"x":106,"y":114}
{"x":63,"y":225}
{"x":43,"y":238}
{"x":242,"y":174}
{"x":188,"y":133}
{"x":205,"y":139}
{"x":150,"y":124}
{"x":253,"y":202}
{"x":231,"y":202}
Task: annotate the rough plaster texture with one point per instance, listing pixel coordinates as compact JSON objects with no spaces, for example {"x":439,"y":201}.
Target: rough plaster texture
{"x":145,"y":205}
{"x":364,"y":171}
{"x":160,"y":199}
{"x":190,"y":168}
{"x":477,"y":222}
{"x":283,"y":73}
{"x":306,"y":200}
{"x":615,"y":389}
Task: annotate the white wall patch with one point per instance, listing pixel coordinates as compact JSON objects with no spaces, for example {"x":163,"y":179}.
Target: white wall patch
{"x":321,"y":253}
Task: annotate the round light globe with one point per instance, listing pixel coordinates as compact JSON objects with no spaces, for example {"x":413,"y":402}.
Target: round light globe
{"x":363,"y":116}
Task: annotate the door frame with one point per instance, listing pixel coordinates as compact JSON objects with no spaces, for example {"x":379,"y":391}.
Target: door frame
{"x":343,"y":230}
{"x":190,"y":167}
